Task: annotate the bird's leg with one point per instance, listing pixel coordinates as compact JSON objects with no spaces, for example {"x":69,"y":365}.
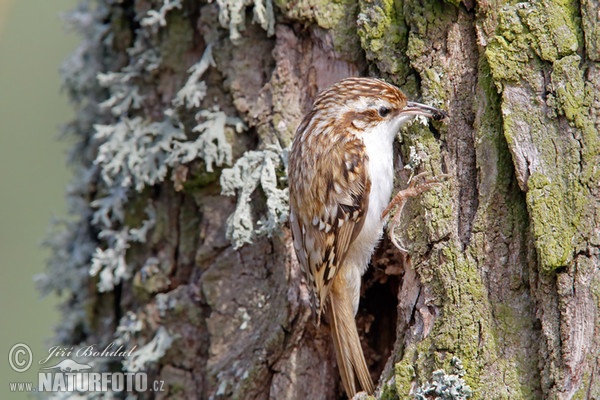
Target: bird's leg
{"x":414,"y":189}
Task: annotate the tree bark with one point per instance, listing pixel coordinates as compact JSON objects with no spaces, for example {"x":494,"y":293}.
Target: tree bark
{"x":178,"y":241}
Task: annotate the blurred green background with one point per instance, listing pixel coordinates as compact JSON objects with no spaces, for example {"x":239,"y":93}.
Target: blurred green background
{"x":33,"y":174}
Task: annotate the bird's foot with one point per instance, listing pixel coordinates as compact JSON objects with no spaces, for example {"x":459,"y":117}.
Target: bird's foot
{"x":418,"y":184}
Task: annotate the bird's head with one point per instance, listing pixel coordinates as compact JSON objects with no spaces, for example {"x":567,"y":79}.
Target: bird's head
{"x":367,"y":105}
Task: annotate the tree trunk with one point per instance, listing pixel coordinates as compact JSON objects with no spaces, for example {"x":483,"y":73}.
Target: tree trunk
{"x":178,"y":241}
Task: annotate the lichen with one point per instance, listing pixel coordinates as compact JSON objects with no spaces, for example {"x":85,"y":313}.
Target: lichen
{"x":123,"y":147}
{"x":336,"y":18}
{"x":157,"y":18}
{"x":554,"y":225}
{"x":383,"y":36}
{"x":553,"y":27}
{"x":232,"y":16}
{"x":212,"y":145}
{"x":534,"y":37}
{"x":446,"y":386}
{"x":150,"y":352}
{"x":462,"y":328}
{"x":253,"y":170}
{"x":134,"y":152}
{"x":404,"y":375}
{"x":591,"y":29}
{"x":72,"y":240}
{"x":194,"y":89}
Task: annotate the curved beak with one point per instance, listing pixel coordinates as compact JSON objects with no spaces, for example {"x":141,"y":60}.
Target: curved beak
{"x":413,"y":108}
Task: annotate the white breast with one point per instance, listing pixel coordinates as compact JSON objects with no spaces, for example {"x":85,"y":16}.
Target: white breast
{"x":379,"y":149}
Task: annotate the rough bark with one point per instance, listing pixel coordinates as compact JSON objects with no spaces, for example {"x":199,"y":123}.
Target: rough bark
{"x":500,"y":266}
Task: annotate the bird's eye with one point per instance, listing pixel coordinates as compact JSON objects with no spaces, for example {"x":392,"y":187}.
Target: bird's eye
{"x":384,"y":111}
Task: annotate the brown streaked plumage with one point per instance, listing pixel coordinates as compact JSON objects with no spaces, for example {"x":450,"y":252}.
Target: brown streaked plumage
{"x":341,"y":179}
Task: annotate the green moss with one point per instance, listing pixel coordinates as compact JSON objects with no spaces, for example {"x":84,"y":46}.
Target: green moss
{"x":458,"y":330}
{"x":509,"y":49}
{"x":595,"y":289}
{"x":549,"y":27}
{"x":553,"y":25}
{"x":338,"y":17}
{"x":286,"y":135}
{"x":591,"y":27}
{"x":427,"y":18}
{"x":176,"y":389}
{"x":527,"y":31}
{"x":506,"y":59}
{"x":533,"y":37}
{"x":428,"y":217}
{"x":136,"y":214}
{"x":121,"y":29}
{"x":554,"y":220}
{"x":555,"y":204}
{"x":384,"y":36}
{"x":494,"y":163}
{"x":177,"y":40}
{"x":388,"y":392}
{"x":455,"y":3}
{"x":570,"y":88}
{"x":201,"y":179}
{"x":404,"y":375}
{"x":573,"y":99}
{"x":510,"y":322}
{"x":431,"y":27}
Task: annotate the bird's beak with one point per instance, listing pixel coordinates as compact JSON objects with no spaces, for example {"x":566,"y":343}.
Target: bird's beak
{"x":413,"y":108}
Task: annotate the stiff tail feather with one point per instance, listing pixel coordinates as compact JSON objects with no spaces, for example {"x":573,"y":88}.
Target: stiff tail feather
{"x":350,"y":358}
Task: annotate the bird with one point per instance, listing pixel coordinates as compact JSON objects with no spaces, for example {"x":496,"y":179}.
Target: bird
{"x":341,"y":178}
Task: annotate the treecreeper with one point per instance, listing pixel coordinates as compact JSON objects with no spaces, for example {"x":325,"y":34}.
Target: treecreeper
{"x":341,"y":177}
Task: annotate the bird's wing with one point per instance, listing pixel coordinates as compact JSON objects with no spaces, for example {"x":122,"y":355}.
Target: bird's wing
{"x":328,"y":213}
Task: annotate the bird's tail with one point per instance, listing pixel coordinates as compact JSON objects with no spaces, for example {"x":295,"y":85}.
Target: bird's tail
{"x":350,"y":358}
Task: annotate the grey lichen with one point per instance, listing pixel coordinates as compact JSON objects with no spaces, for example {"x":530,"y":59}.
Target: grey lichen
{"x":232,"y":16}
{"x":254,"y":169}
{"x":212,"y":145}
{"x":128,"y":327}
{"x":151,"y":352}
{"x":445,"y":386}
{"x":194,"y":90}
{"x":157,"y":18}
{"x":109,"y":263}
{"x":72,"y":240}
{"x":134,"y":152}
{"x":121,"y":150}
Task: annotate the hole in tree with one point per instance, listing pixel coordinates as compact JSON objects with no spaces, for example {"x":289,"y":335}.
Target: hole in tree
{"x":377,"y":313}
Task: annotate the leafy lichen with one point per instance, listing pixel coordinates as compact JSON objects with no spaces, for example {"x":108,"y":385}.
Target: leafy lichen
{"x":134,"y":152}
{"x":127,"y":148}
{"x":445,"y":386}
{"x":150,"y":352}
{"x":232,"y":15}
{"x":253,"y":170}
{"x":194,"y":90}
{"x":158,"y":18}
{"x":109,"y":263}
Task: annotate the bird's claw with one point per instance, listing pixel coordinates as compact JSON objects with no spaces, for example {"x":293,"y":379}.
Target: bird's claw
{"x":414,"y":189}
